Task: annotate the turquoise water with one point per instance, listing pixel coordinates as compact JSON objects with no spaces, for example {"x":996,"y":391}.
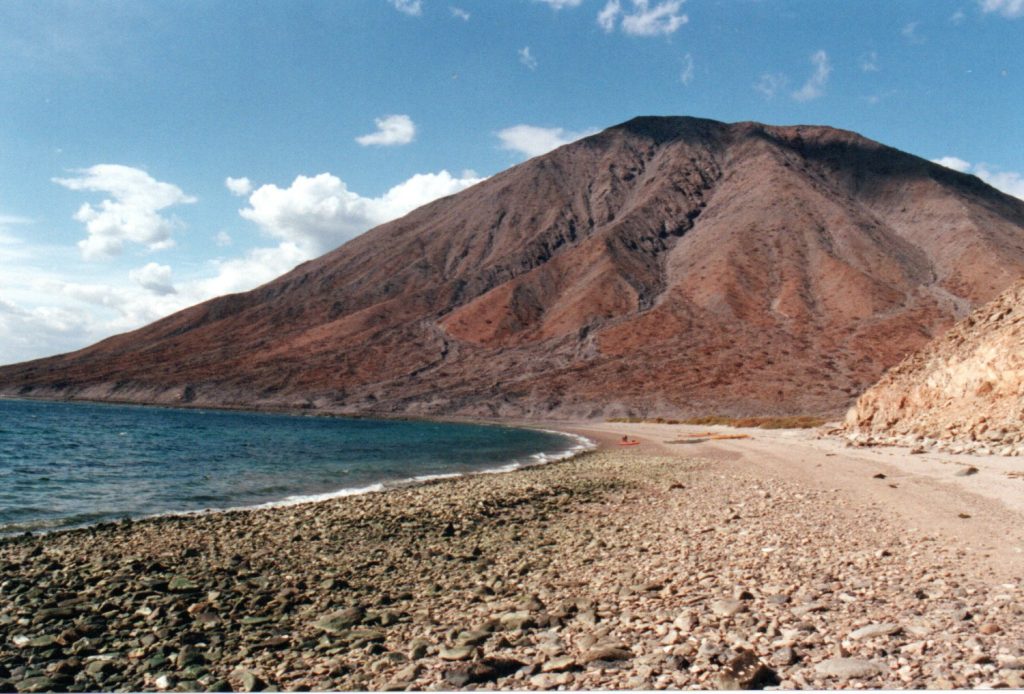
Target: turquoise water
{"x":70,"y":464}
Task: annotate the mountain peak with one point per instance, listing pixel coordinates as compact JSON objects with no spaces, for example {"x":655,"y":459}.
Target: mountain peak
{"x":666,"y":265}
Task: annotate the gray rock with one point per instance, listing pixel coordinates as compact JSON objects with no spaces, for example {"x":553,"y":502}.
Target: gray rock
{"x":35,"y":684}
{"x":728,"y":608}
{"x":418,"y":648}
{"x":783,"y":657}
{"x":515,"y":621}
{"x":472,"y":638}
{"x":47,"y":641}
{"x":562,"y":664}
{"x":408,"y":674}
{"x":456,"y":653}
{"x":550,"y":680}
{"x":180,"y":584}
{"x":801,"y":610}
{"x":875,"y":630}
{"x":610,"y":653}
{"x":250,"y":682}
{"x":487,"y":670}
{"x":848,"y":668}
{"x":337,"y":622}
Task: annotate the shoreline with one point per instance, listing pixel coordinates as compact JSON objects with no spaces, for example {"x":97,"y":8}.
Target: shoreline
{"x":578,"y":445}
{"x":617,"y":569}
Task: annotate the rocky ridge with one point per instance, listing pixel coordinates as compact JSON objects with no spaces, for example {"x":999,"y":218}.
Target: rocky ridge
{"x":612,"y":570}
{"x":666,"y":266}
{"x":963,"y":393}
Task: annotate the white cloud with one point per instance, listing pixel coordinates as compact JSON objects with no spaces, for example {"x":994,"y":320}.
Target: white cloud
{"x":459,"y":13}
{"x":771,"y":84}
{"x":1010,"y":182}
{"x":608,"y":15}
{"x":43,"y":312}
{"x":1011,"y":9}
{"x":957,"y":18}
{"x":686,"y":73}
{"x":644,"y":19}
{"x":318,"y":213}
{"x":560,"y":4}
{"x":238,"y":186}
{"x":814,"y":87}
{"x":222,"y":239}
{"x":413,"y":8}
{"x":131,"y":214}
{"x":154,"y":278}
{"x":869,"y":62}
{"x":526,"y":59}
{"x":391,"y":130}
{"x":661,"y":19}
{"x":532,"y":141}
{"x":954,"y":163}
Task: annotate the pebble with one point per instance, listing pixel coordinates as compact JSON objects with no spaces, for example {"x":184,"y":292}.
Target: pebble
{"x":872,"y":631}
{"x":581,"y":575}
{"x":728,"y":608}
{"x":848,"y":668}
{"x":456,"y":653}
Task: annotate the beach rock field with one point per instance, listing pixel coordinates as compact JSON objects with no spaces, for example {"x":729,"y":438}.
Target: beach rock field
{"x":609,"y":571}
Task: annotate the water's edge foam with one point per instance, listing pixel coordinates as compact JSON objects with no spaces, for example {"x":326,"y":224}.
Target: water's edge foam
{"x":583,"y":445}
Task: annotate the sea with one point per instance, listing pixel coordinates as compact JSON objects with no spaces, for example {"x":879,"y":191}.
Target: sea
{"x":65,"y":465}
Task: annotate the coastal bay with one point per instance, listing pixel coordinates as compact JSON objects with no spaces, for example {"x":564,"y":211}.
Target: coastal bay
{"x":656,"y":567}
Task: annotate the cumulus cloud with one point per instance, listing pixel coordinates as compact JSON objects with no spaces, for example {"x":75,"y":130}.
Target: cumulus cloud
{"x":814,"y":87}
{"x":319,"y":212}
{"x":1011,"y":9}
{"x":131,"y":214}
{"x":526,"y":59}
{"x":413,"y":8}
{"x":459,"y":13}
{"x":43,"y":312}
{"x":1010,"y":182}
{"x":560,"y":4}
{"x":686,"y":73}
{"x":38,"y":332}
{"x":391,"y":130}
{"x":238,"y":186}
{"x":532,"y":141}
{"x":153,"y":277}
{"x":643,"y":18}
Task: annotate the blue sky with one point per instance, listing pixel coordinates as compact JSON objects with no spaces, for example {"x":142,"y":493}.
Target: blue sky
{"x":155,"y":154}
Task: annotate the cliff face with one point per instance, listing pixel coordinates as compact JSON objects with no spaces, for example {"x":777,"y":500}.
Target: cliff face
{"x":965,"y":390}
{"x":663,"y":266}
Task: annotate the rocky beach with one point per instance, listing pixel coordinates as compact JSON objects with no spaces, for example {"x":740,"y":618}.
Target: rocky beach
{"x":652,"y":568}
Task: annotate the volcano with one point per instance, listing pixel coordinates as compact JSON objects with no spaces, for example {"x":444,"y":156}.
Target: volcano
{"x":666,"y":266}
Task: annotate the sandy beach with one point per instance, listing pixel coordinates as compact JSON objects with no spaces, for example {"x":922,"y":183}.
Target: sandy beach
{"x":782,"y":559}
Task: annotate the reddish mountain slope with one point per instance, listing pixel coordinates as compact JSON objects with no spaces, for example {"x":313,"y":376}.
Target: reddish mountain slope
{"x":663,"y":266}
